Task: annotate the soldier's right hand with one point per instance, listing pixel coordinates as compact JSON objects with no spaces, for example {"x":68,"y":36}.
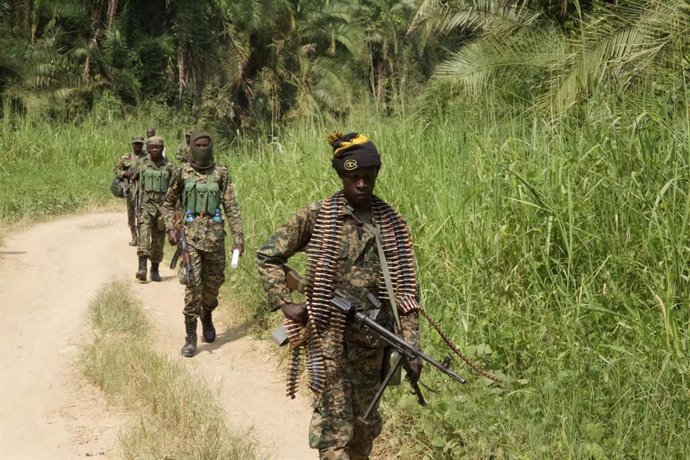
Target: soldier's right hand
{"x":172,"y":237}
{"x":296,"y":312}
{"x":128,"y":174}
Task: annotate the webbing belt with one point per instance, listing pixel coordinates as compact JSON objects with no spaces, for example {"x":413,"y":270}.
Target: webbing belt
{"x":376,"y":230}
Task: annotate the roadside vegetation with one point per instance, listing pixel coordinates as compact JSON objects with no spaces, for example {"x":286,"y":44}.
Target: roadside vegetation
{"x":542,"y":160}
{"x":174,"y":413}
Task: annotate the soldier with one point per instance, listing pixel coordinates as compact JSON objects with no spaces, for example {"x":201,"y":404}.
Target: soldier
{"x":183,"y":152}
{"x":126,"y":168}
{"x":150,"y":132}
{"x":203,"y":188}
{"x":155,"y":173}
{"x":345,"y":237}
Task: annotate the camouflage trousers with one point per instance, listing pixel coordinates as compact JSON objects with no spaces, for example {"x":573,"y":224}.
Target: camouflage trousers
{"x":151,"y":236}
{"x":353,"y":376}
{"x":208,"y":274}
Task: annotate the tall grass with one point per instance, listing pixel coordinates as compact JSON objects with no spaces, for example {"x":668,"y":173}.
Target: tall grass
{"x":555,"y":255}
{"x":49,"y":169}
{"x":176,"y":415}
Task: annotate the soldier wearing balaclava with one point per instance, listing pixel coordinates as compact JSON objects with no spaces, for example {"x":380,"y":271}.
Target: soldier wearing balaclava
{"x":207,"y":198}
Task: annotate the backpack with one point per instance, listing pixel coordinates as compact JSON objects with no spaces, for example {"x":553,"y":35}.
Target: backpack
{"x":117,"y":187}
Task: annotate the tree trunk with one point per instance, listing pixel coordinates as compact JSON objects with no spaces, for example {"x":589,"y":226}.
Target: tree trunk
{"x":181,"y":72}
{"x":112,"y":9}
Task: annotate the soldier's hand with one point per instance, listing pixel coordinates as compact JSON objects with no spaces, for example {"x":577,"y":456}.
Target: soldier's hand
{"x":240,"y":247}
{"x":296,"y":312}
{"x":172,"y":237}
{"x":413,"y":367}
{"x":128,"y":174}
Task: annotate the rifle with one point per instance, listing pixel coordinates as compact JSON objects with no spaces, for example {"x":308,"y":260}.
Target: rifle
{"x":183,"y":251}
{"x":407,"y":352}
{"x":137,"y":208}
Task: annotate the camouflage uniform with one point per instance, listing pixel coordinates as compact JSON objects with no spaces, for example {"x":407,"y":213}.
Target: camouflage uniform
{"x":205,"y":238}
{"x":183,"y":153}
{"x":353,"y":372}
{"x":130,"y":161}
{"x":151,"y":225}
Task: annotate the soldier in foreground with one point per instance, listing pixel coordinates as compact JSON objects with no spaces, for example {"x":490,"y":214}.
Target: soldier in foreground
{"x":126,"y":168}
{"x":155,"y":173}
{"x":203,"y":188}
{"x":339,"y":235}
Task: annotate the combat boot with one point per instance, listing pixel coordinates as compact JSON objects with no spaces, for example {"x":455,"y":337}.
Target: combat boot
{"x":141,"y":273}
{"x":155,"y":276}
{"x":134,"y":241}
{"x":209,"y":332}
{"x":189,"y":348}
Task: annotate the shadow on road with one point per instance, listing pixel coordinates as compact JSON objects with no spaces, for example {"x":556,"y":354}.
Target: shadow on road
{"x":229,"y":335}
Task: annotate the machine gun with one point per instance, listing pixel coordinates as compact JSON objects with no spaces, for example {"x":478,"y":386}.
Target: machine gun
{"x":407,"y":352}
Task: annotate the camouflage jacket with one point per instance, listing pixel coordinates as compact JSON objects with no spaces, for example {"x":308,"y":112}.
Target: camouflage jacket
{"x":152,"y":201}
{"x":127,"y":162}
{"x":203,"y":233}
{"x":356,"y":274}
{"x":183,"y":153}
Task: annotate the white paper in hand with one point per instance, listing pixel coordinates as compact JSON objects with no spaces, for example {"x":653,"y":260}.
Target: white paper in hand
{"x":235,"y":258}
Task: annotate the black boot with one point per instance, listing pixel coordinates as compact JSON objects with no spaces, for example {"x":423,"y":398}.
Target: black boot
{"x":189,"y":348}
{"x":141,"y":273}
{"x":155,"y":276}
{"x":207,"y":326}
{"x":134,"y":241}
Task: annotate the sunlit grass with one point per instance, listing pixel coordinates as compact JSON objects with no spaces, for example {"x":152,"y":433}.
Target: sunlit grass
{"x":175,"y":412}
{"x":555,"y":255}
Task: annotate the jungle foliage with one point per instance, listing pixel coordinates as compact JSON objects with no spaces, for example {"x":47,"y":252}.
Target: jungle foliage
{"x":251,"y":63}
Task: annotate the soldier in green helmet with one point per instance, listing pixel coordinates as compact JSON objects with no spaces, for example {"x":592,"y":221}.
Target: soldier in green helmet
{"x":126,"y":168}
{"x":206,"y":192}
{"x":155,"y":173}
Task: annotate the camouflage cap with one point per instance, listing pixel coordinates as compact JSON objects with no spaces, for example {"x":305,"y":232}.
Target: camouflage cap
{"x":156,"y":140}
{"x":138,"y":140}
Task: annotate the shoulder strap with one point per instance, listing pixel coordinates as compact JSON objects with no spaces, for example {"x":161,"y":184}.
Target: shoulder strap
{"x":376,"y":229}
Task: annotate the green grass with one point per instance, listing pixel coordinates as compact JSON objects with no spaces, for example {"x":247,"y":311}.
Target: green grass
{"x":175,"y":412}
{"x":554,"y":255}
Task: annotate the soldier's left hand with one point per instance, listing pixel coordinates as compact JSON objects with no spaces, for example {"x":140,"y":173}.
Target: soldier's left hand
{"x":240,"y":247}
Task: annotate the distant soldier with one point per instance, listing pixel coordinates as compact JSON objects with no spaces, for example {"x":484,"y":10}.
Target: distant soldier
{"x":126,"y":168}
{"x":203,"y":188}
{"x":150,"y":132}
{"x":184,"y":151}
{"x":155,"y":173}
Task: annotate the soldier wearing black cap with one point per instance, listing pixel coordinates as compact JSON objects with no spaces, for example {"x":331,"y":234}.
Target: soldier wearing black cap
{"x":349,"y":238}
{"x":126,"y":168}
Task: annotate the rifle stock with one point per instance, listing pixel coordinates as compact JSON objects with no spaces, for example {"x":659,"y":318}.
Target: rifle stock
{"x":295,"y":283}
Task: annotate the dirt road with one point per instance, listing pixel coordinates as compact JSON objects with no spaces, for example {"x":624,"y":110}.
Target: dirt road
{"x":48,"y":275}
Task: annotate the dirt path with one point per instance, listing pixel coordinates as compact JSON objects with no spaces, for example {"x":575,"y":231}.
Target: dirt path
{"x":48,"y":275}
